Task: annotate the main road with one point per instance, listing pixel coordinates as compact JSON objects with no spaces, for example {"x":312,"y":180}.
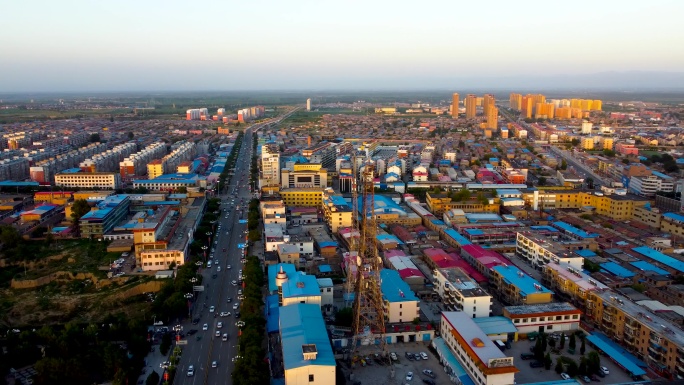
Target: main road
{"x":205,"y":347}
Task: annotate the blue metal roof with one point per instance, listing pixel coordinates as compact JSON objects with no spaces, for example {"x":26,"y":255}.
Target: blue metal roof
{"x":495,"y":325}
{"x":447,"y":355}
{"x":544,"y":228}
{"x":389,"y":237}
{"x":661,"y":175}
{"x":71,"y":170}
{"x":574,"y":230}
{"x":660,"y":257}
{"x":97,"y":214}
{"x":616,"y":269}
{"x":526,"y":284}
{"x":643,"y":265}
{"x":394,"y":289}
{"x":301,"y":285}
{"x":586,"y":253}
{"x":460,"y":239}
{"x":288,"y":268}
{"x":324,"y":268}
{"x":474,"y":231}
{"x":11,"y":183}
{"x":272,"y":313}
{"x":616,"y":355}
{"x":300,"y":325}
{"x":674,"y":216}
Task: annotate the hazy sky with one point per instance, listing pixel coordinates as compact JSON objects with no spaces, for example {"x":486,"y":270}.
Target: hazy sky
{"x":49,"y":45}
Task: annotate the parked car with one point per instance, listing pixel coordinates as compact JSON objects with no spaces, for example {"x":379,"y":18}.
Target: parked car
{"x":536,"y":364}
{"x":393,"y":356}
{"x":423,"y":355}
{"x":409,"y":355}
{"x":191,"y":371}
{"x":428,"y":381}
{"x":429,"y":373}
{"x":586,"y":379}
{"x":565,"y":376}
{"x":604,"y":370}
{"x":526,"y":356}
{"x":409,"y":376}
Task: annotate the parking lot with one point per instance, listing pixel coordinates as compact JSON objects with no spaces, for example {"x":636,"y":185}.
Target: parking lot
{"x":376,"y":374}
{"x":528,"y":375}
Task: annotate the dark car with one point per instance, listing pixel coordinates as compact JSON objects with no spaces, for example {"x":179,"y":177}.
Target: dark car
{"x":594,"y":378}
{"x":526,"y":356}
{"x":409,"y":356}
{"x":192,"y":331}
{"x":429,"y":381}
{"x":195,"y":321}
{"x":536,"y":364}
{"x":237,"y":314}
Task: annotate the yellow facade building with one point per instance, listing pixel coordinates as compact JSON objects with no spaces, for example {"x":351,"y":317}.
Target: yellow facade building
{"x":454,"y":105}
{"x":155,"y":168}
{"x":439,"y":203}
{"x":614,"y":206}
{"x":337,"y":212}
{"x":471,"y":106}
{"x":588,"y":143}
{"x":607,"y":143}
{"x":311,"y":197}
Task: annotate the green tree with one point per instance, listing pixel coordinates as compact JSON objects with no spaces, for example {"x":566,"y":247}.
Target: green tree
{"x":9,"y":236}
{"x":548,"y":361}
{"x":573,"y":343}
{"x":575,"y":142}
{"x":165,"y":344}
{"x":94,"y":137}
{"x":562,"y":341}
{"x":572,"y":367}
{"x":541,"y":181}
{"x":131,"y":136}
{"x":639,"y":287}
{"x":583,"y":347}
{"x":582,"y":370}
{"x":593,"y":362}
{"x":559,"y":366}
{"x":564,"y":165}
{"x":79,"y":209}
{"x":552,"y":343}
{"x":625,"y":161}
{"x":670,"y":166}
{"x":344,"y":317}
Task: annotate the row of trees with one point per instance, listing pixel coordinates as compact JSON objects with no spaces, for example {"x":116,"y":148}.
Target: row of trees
{"x":588,"y":364}
{"x":253,"y":221}
{"x":251,"y":367}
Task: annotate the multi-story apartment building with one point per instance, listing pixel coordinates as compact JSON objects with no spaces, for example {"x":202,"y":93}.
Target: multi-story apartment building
{"x":569,"y":283}
{"x":454,"y":105}
{"x":615,"y":206}
{"x":273,"y":212}
{"x":475,"y":351}
{"x":104,"y":216}
{"x":544,"y":318}
{"x":16,"y":169}
{"x":44,"y":171}
{"x":336,"y":211}
{"x":518,"y":288}
{"x":400,"y":303}
{"x":304,"y":175}
{"x":109,"y":160}
{"x":270,"y":166}
{"x":310,"y":197}
{"x":136,"y":164}
{"x":650,"y":337}
{"x":459,"y":292}
{"x":471,"y":106}
{"x":649,"y":185}
{"x":105,"y":180}
{"x":323,"y":153}
{"x":540,"y":249}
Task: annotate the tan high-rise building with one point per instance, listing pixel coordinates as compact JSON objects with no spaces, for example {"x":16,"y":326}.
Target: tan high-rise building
{"x":471,"y":106}
{"x":492,"y":117}
{"x":515,"y":101}
{"x":526,"y":107}
{"x":454,"y":106}
{"x":487,"y":102}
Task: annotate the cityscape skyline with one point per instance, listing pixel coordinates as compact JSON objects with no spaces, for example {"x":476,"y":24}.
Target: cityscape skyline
{"x":76,"y":46}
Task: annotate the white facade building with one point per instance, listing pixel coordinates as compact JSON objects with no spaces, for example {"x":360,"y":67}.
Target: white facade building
{"x":105,"y":180}
{"x":459,"y":292}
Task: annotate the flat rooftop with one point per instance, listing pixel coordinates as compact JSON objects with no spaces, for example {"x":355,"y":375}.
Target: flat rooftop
{"x":543,"y":308}
{"x":462,"y":282}
{"x":526,"y":284}
{"x":463,"y":324}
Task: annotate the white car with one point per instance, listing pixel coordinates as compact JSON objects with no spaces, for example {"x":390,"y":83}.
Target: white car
{"x":393,"y":356}
{"x":211,"y":309}
{"x":236,"y":305}
{"x":234,"y":283}
{"x":225,"y":337}
{"x":191,"y":371}
{"x":565,"y":376}
{"x":205,"y":327}
{"x":219,"y":325}
{"x":218,"y":269}
{"x":214,"y":364}
{"x":217,"y":334}
{"x":228,"y":267}
{"x":409,"y":376}
{"x":604,"y":370}
{"x":225,"y":314}
{"x":423,"y":355}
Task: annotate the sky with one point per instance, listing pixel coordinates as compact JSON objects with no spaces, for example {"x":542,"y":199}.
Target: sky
{"x":147,"y":45}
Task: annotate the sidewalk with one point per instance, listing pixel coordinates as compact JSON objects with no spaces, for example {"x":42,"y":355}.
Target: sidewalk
{"x":152,"y":362}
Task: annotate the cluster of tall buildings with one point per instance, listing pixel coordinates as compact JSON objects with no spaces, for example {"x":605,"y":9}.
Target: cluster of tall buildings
{"x":250,"y":113}
{"x":536,"y":106}
{"x":108,"y":161}
{"x":489,"y":110}
{"x":197,"y":114}
{"x":183,"y":152}
{"x":44,"y":171}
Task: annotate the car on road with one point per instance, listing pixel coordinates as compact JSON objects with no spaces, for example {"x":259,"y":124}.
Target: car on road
{"x":603,"y":370}
{"x":218,"y":268}
{"x":214,"y":364}
{"x":236,"y":305}
{"x":586,"y":379}
{"x":234,"y":283}
{"x":409,"y":356}
{"x":565,"y":376}
{"x":240,"y":324}
{"x":225,"y":314}
{"x":191,"y":371}
{"x":423,"y":355}
{"x":239,"y":291}
{"x":526,"y":356}
{"x":393,"y":356}
{"x":164,"y":364}
{"x":409,"y":376}
{"x":192,"y":331}
{"x":205,"y":327}
{"x":536,"y":364}
{"x":211,"y":309}
{"x":237,"y":314}
{"x":217,"y":334}
{"x":219,"y":325}
{"x":595,"y":378}
{"x":228,"y":267}
{"x":429,"y":373}
{"x":225,"y":337}
{"x":229,"y":299}
{"x":241,"y":297}
{"x":195,"y":321}
{"x":428,"y":381}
